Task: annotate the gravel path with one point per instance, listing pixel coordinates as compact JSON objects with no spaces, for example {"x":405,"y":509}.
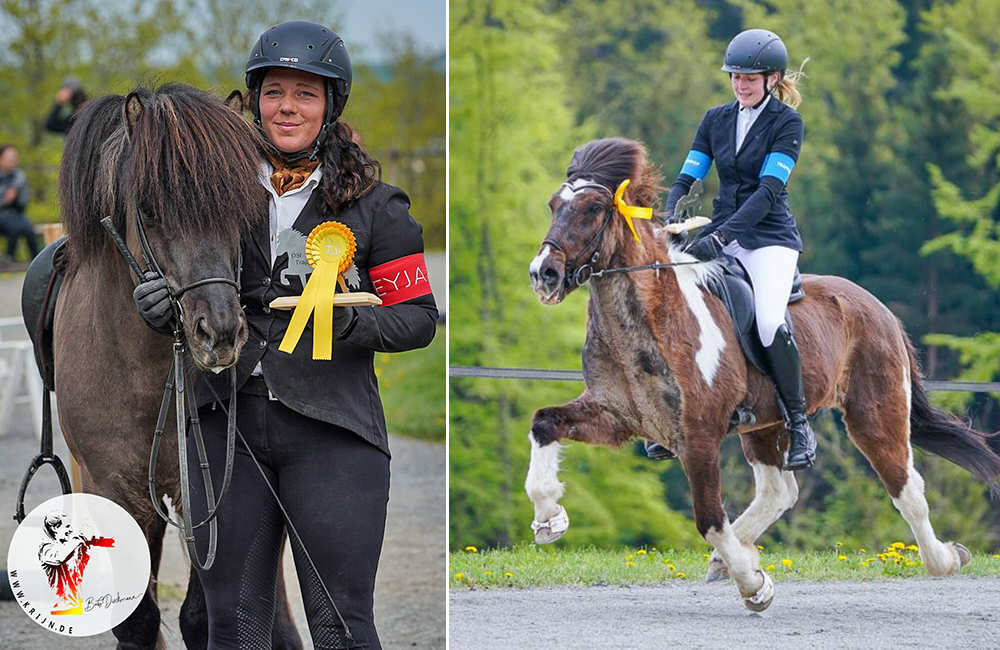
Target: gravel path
{"x":410,"y":591}
{"x":890,"y":614}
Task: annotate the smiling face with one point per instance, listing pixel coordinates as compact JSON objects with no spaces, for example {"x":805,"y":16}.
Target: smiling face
{"x":8,"y":159}
{"x":292,"y":105}
{"x":749,"y":88}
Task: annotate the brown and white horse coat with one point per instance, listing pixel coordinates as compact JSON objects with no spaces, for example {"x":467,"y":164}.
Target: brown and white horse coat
{"x":661,"y":362}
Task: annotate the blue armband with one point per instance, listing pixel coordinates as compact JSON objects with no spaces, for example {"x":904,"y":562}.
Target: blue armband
{"x":697,"y":165}
{"x":778,"y":165}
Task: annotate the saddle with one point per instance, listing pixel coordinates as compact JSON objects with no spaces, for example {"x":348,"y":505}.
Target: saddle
{"x":736,"y":291}
{"x":38,"y":304}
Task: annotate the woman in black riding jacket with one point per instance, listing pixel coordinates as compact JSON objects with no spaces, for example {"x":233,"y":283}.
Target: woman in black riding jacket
{"x":754,"y":142}
{"x":316,"y":426}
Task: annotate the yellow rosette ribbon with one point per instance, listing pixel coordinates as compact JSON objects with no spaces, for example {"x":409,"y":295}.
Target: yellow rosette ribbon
{"x":330,"y":250}
{"x":630,"y":212}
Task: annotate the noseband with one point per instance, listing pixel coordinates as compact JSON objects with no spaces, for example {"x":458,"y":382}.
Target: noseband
{"x":579,"y":275}
{"x":185,"y":410}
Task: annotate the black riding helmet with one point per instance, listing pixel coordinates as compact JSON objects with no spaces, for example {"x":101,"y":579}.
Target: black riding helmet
{"x":309,"y":47}
{"x":756,"y":50}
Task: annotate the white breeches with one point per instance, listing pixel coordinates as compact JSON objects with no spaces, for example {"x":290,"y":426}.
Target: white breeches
{"x":771,"y":270}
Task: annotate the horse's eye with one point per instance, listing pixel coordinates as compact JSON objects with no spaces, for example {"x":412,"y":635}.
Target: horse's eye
{"x":596,"y":208}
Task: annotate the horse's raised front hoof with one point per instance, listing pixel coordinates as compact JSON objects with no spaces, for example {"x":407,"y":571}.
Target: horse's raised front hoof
{"x":761,"y":600}
{"x":549,"y":531}
{"x":717,"y":570}
{"x":964,"y":554}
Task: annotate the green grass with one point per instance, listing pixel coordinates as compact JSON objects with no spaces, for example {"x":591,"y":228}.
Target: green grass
{"x":412,"y":388}
{"x":526,"y":566}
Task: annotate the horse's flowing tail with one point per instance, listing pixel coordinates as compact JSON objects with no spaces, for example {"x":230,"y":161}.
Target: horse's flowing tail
{"x":944,"y":435}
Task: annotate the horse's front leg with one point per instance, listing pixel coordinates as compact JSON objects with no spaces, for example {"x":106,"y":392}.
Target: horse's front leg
{"x":585,"y":420}
{"x":700,"y":457}
{"x":775,"y":491}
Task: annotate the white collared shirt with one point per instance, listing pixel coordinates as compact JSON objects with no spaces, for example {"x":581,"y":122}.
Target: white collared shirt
{"x":284,"y":210}
{"x":745,"y":118}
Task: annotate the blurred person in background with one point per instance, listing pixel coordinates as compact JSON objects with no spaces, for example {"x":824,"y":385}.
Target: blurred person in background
{"x":14,"y":223}
{"x":69,"y":99}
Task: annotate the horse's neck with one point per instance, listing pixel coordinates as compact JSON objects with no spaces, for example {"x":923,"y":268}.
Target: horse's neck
{"x":629,"y":303}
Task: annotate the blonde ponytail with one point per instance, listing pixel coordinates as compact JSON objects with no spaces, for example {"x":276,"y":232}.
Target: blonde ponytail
{"x":786,"y":89}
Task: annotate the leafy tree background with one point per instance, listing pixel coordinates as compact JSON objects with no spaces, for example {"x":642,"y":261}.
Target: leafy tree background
{"x":398,"y":105}
{"x":898,"y":189}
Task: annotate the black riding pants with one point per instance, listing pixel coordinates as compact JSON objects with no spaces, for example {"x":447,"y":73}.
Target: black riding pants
{"x":335,"y":487}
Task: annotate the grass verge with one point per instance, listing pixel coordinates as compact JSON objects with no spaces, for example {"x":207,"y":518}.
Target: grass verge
{"x":526,"y":566}
{"x":412,"y":385}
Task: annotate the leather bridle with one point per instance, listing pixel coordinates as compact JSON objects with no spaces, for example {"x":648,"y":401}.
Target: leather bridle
{"x":576,"y":276}
{"x":185,"y":410}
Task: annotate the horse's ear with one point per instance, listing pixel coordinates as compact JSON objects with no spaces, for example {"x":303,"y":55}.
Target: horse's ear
{"x":132,"y":110}
{"x":235,"y":101}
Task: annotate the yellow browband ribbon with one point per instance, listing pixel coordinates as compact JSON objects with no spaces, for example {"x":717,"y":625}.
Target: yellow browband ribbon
{"x":630,"y":211}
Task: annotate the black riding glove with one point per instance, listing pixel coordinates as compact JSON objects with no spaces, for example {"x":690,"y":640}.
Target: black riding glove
{"x":706,"y":248}
{"x":153,"y":302}
{"x":344,"y":319}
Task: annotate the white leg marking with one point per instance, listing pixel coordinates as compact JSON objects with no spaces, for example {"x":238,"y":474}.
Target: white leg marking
{"x":709,"y":336}
{"x":939,"y":559}
{"x":536,"y":264}
{"x":741,"y":561}
{"x":772,"y":497}
{"x":542,"y":483}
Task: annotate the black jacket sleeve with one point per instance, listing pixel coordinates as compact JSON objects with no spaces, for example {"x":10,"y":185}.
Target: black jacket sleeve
{"x":788,"y":141}
{"x":60,"y":119}
{"x":407,"y":325}
{"x":683,"y":184}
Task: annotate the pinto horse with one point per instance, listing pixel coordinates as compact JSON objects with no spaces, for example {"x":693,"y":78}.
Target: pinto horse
{"x":187,"y":165}
{"x":661,"y":362}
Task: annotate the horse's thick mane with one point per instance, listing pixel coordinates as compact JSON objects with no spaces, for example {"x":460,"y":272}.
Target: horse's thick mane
{"x":609,"y":161}
{"x":189,"y":162}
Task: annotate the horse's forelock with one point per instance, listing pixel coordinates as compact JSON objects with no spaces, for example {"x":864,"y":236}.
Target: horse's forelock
{"x":189,"y":149}
{"x":609,"y":161}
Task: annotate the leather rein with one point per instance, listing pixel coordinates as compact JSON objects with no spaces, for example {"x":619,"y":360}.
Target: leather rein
{"x":185,"y":409}
{"x":577,"y":276}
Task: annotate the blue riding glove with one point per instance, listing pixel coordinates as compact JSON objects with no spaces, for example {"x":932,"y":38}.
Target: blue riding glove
{"x":153,"y":302}
{"x":706,"y":248}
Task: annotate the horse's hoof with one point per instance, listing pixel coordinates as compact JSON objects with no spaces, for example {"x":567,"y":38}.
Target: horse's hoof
{"x":549,"y":531}
{"x":717,"y":570}
{"x":761,"y":600}
{"x":964,"y":554}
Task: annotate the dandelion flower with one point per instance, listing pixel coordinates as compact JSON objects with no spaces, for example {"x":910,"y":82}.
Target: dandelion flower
{"x":841,"y":557}
{"x":629,"y":563}
{"x":681,"y":575}
{"x":760,"y":548}
{"x":671,"y":568}
{"x":707,"y":555}
{"x":786,"y":563}
{"x":471,"y":549}
{"x":488,"y":573}
{"x":898,"y":545}
{"x":996,"y":556}
{"x":912,"y":547}
{"x":641,"y":551}
{"x":862,"y":551}
{"x":459,"y":576}
{"x":508,"y":574}
{"x":769,"y":567}
{"x":838,"y":544}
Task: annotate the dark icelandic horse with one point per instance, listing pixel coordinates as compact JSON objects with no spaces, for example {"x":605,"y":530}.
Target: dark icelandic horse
{"x":187,"y":164}
{"x":661,"y":361}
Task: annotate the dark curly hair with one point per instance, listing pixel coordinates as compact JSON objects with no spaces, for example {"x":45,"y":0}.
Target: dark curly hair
{"x":349,"y":172}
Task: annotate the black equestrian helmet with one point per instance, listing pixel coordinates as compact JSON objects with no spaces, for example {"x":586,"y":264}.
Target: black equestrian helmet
{"x":305,"y":46}
{"x":755,"y":50}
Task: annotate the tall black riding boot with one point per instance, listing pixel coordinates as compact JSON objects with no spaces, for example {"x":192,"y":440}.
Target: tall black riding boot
{"x":786,"y":372}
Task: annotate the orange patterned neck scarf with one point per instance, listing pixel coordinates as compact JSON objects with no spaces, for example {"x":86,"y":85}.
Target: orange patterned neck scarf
{"x":288,"y":177}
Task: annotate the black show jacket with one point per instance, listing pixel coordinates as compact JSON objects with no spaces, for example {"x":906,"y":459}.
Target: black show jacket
{"x":750,"y":208}
{"x":344,"y":390}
